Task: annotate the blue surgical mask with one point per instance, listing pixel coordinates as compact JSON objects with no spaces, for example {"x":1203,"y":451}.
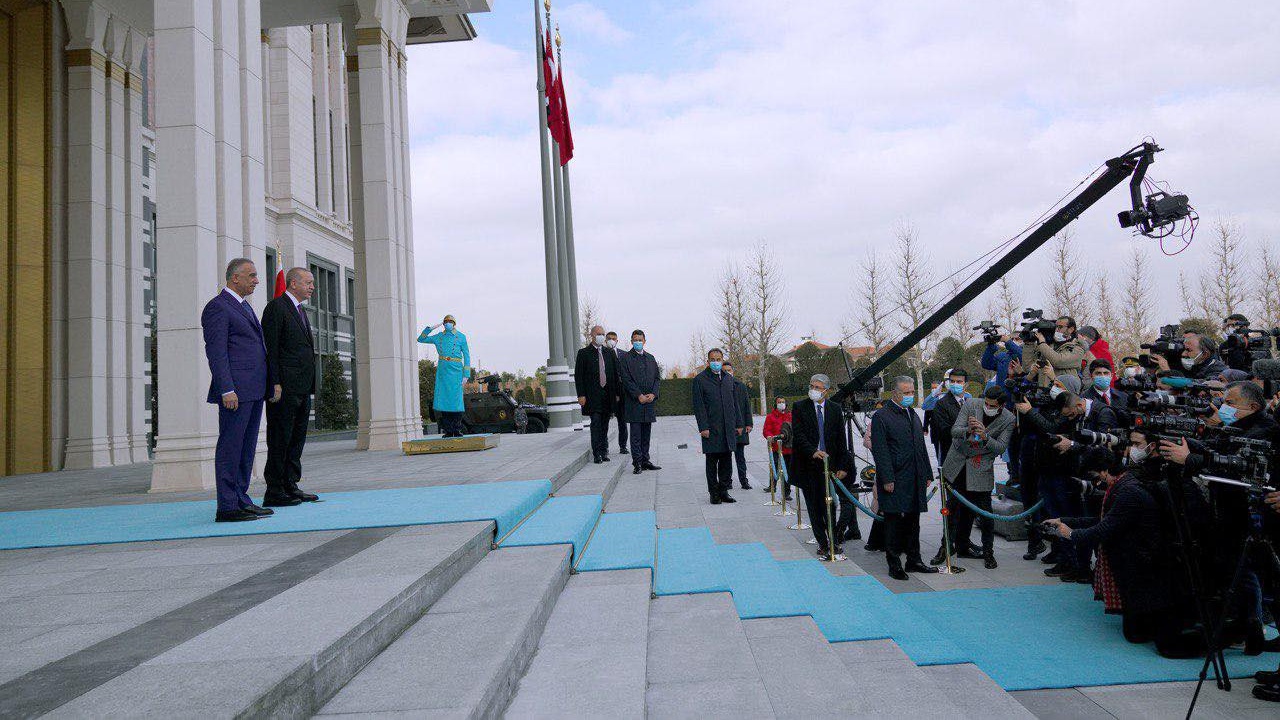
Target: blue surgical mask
{"x":716,"y":365}
{"x":637,"y":345}
{"x":956,"y":388}
{"x":448,"y":326}
{"x":1227,"y":414}
{"x":1102,"y":382}
{"x":908,"y":400}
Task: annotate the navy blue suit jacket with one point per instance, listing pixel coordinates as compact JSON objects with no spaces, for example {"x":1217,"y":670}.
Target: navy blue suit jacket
{"x":234,"y":346}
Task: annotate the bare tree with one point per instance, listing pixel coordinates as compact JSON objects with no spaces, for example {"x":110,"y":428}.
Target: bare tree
{"x":1185,"y":298}
{"x":912,"y":292}
{"x":1107,"y":323}
{"x":1225,"y":282}
{"x":960,"y":325}
{"x":733,"y":308}
{"x":697,"y":351}
{"x":1137,"y":305}
{"x":768,"y":312}
{"x":590,"y":317}
{"x":872,"y":316}
{"x":1267,"y":297}
{"x":1068,"y":288}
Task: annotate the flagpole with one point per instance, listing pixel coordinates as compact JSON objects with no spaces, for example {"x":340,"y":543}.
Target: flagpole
{"x":560,"y":400}
{"x":568,"y":208}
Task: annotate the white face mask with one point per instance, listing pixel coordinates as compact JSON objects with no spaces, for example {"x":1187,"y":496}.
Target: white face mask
{"x":1059,"y":337}
{"x":781,"y":406}
{"x":1188,"y":363}
{"x":990,"y":411}
{"x":1137,"y":455}
{"x":599,"y":340}
{"x":611,"y":344}
{"x":815,"y":395}
{"x":1131,"y":372}
{"x":1055,"y":391}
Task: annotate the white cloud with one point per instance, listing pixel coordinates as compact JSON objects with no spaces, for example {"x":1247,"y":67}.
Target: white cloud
{"x":588,"y":19}
{"x":818,"y":131}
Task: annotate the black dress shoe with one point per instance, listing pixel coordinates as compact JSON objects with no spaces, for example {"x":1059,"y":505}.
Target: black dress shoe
{"x":258,"y":510}
{"x":303,"y":495}
{"x":989,"y":561}
{"x":649,"y":466}
{"x":715,"y":500}
{"x":637,"y":470}
{"x":1267,"y":677}
{"x":1270,"y":693}
{"x":746,"y":485}
{"x":726,"y":497}
{"x":623,"y":451}
{"x":1058,"y":570}
{"x":234,"y":516}
{"x":897,"y":573}
{"x":940,"y":558}
{"x":605,"y":458}
{"x":854,"y":534}
{"x":917,"y":566}
{"x":873,"y":547}
{"x":596,"y":460}
{"x":971,"y":554}
{"x":271,"y":500}
{"x":1033,"y":551}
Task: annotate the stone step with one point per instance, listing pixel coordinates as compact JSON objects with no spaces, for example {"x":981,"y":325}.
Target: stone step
{"x":802,"y":672}
{"x":890,"y":685}
{"x":285,"y":656}
{"x":975,"y":693}
{"x":465,"y":656}
{"x":591,"y":658}
{"x":594,"y":479}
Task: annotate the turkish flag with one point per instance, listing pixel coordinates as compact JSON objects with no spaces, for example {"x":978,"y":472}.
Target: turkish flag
{"x":566,"y":133}
{"x":554,"y":122}
{"x":279,"y":283}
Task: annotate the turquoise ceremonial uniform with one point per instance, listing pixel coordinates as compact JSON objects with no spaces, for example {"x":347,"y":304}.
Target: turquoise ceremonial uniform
{"x":452,"y":367}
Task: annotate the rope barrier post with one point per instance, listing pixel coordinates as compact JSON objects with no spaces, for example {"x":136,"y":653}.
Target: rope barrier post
{"x":832,"y":556}
{"x":800,"y":523}
{"x":773,"y":474}
{"x":949,"y":569}
{"x":786,"y":486}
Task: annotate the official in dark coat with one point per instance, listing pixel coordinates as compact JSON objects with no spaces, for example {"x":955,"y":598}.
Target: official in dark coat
{"x":744,"y":436}
{"x":902,"y":476}
{"x":942,"y":416}
{"x":291,"y":359}
{"x":640,"y":379}
{"x":240,"y":378}
{"x":818,"y":434}
{"x":596,"y":377}
{"x":716,"y":410}
{"x":619,"y":405}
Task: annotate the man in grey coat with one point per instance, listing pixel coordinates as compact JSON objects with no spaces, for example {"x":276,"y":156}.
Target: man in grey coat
{"x":903,"y":474}
{"x":744,"y":435}
{"x":715,"y":407}
{"x":639,"y":374}
{"x":980,"y":435}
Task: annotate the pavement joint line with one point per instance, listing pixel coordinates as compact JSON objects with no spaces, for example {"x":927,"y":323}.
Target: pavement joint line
{"x":61,"y":681}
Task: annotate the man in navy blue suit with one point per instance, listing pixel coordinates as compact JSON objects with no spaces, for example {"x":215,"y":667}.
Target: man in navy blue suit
{"x":233,"y":342}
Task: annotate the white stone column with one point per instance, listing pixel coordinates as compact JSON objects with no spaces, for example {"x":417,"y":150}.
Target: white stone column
{"x":413,"y":410}
{"x":384,"y":338}
{"x":136,"y":270}
{"x":338,"y":104}
{"x":320,"y":117}
{"x":118,"y":240}
{"x":88,"y":347}
{"x":292,"y":118}
{"x":201,"y":93}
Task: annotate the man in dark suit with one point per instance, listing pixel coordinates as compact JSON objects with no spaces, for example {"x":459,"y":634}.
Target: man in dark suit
{"x":291,"y":359}
{"x":817,"y":435}
{"x":716,"y":410}
{"x":743,"y":396}
{"x":619,"y":406}
{"x":640,"y":378}
{"x":596,"y":377}
{"x":1100,"y":390}
{"x":942,"y":416}
{"x":238,"y":363}
{"x":902,"y":475}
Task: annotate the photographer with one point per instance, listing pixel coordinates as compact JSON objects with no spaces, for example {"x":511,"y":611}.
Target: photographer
{"x":1066,"y":427}
{"x":1199,"y":358}
{"x":1131,"y":576}
{"x":1066,"y":353}
{"x":1099,"y":349}
{"x":1001,"y":350}
{"x":1235,"y":344}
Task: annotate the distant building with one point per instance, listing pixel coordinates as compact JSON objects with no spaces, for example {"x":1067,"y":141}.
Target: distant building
{"x":854,"y":352}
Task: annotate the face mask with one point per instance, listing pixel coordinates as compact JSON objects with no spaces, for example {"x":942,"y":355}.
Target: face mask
{"x":1059,"y":337}
{"x":1055,"y":391}
{"x":448,"y":326}
{"x":1137,"y":455}
{"x":599,"y":340}
{"x":956,"y":388}
{"x":716,"y":365}
{"x":1102,"y":382}
{"x":990,"y":411}
{"x":908,"y":401}
{"x":611,"y":344}
{"x":1227,"y":414}
{"x":1188,"y":363}
{"x":637,"y":345}
{"x":781,"y":406}
{"x":1131,"y":372}
{"x":815,"y":395}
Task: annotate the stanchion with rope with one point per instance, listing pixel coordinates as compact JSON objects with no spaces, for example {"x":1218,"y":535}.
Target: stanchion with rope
{"x":786,"y":490}
{"x":800,"y":523}
{"x":832,"y":556}
{"x":948,"y":569}
{"x":774,"y":476}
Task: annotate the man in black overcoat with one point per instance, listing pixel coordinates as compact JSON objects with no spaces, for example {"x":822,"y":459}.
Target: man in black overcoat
{"x":291,"y":357}
{"x":902,"y":476}
{"x":818,"y":434}
{"x":743,"y":395}
{"x":596,"y":378}
{"x":640,"y":379}
{"x":716,"y":410}
{"x":619,"y":404}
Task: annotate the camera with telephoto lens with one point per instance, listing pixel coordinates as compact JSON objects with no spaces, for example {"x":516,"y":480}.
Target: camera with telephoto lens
{"x":1169,"y":426}
{"x":1137,"y":384}
{"x":1024,"y":390}
{"x":990,"y":330}
{"x":1169,"y":343}
{"x":1241,"y":458}
{"x":1093,"y":437}
{"x":1243,"y":345}
{"x":1034,"y":321}
{"x":1161,"y":401}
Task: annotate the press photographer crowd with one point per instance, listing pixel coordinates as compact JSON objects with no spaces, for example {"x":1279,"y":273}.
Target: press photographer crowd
{"x":1157,"y":473}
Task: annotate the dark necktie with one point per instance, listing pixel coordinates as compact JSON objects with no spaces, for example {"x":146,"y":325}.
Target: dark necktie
{"x":305,"y":322}
{"x":248,"y":309}
{"x":600,"y":358}
{"x":822,"y":436}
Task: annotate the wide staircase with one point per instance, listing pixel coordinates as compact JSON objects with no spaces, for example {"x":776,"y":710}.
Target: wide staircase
{"x":583,"y":609}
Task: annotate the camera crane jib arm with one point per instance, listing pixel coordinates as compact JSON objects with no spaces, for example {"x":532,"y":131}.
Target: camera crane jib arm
{"x":1131,"y":164}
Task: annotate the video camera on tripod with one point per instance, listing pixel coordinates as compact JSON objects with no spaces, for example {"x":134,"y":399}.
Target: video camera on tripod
{"x":1248,"y":344}
{"x":1033,"y":322}
{"x":1169,"y":343}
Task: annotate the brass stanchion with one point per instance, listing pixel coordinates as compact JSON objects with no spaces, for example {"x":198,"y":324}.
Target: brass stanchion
{"x":800,"y":523}
{"x":832,"y":556}
{"x":774,"y":475}
{"x":784,"y":512}
{"x":948,"y":569}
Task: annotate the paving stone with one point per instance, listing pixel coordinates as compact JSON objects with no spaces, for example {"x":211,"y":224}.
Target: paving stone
{"x":688,"y":648}
{"x":1065,"y":704}
{"x":743,"y":698}
{"x":974,"y":693}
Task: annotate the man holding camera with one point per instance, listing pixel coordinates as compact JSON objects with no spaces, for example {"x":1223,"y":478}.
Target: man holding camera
{"x":1199,"y":357}
{"x":1001,"y":350}
{"x":1066,"y":353}
{"x":980,"y":434}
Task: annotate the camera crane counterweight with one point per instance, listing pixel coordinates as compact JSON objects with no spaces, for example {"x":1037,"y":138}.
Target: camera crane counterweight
{"x":1160,"y":210}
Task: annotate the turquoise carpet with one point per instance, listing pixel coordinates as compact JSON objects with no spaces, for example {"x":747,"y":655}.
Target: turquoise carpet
{"x":687,"y":563}
{"x":503,"y":502}
{"x":622,"y":541}
{"x":561,"y":520}
{"x":1055,"y":636}
{"x":760,"y":588}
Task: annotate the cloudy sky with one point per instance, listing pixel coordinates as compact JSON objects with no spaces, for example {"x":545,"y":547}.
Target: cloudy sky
{"x":705,"y":126}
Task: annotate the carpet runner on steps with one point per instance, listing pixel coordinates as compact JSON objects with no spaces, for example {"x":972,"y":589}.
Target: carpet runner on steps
{"x":687,"y":563}
{"x":622,"y":541}
{"x":560,"y":520}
